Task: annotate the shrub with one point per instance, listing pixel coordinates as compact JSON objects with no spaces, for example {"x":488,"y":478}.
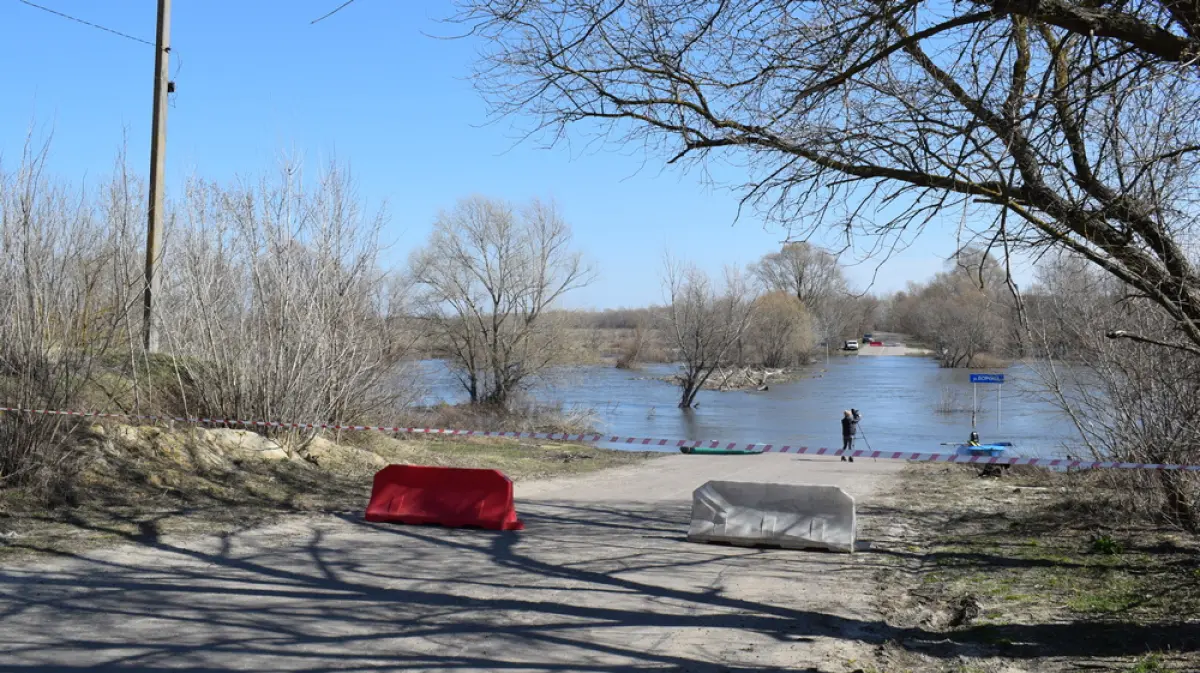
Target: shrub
{"x":70,"y":277}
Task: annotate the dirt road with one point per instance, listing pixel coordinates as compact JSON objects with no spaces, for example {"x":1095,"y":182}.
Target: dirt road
{"x":601,"y":580}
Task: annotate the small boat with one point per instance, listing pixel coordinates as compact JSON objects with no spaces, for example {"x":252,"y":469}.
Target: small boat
{"x":992,"y":450}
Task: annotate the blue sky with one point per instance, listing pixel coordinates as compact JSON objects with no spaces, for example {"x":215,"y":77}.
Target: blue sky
{"x":256,"y":81}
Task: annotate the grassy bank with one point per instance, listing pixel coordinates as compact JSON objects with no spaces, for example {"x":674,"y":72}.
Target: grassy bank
{"x":1025,"y":573}
{"x":144,"y":482}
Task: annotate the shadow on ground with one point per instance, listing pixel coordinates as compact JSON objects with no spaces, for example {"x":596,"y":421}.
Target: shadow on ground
{"x":584,"y":588}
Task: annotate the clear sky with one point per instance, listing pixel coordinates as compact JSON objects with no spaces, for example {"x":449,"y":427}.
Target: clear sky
{"x":370,"y":87}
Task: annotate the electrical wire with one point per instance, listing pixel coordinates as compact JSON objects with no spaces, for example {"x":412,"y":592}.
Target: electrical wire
{"x":339,"y":8}
{"x":89,"y":23}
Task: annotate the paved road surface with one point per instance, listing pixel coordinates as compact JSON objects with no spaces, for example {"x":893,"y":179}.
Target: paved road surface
{"x":900,"y":350}
{"x":602,"y":580}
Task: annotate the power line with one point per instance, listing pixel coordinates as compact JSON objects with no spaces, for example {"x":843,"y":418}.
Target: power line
{"x":89,"y":23}
{"x":339,"y":8}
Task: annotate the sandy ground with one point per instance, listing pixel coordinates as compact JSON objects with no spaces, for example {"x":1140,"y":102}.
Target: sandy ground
{"x":602,"y":580}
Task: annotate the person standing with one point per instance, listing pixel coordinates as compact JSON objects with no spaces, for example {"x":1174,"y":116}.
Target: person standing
{"x":850,"y":419}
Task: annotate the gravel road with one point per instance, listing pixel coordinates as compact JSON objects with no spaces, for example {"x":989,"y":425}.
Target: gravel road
{"x":602,"y":580}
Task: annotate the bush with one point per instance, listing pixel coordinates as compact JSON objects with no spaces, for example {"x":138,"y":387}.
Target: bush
{"x":952,"y":401}
{"x":782,"y":331}
{"x":631,"y":349}
{"x":1132,"y":401}
{"x":70,"y":277}
{"x":276,"y":306}
{"x":273,"y":306}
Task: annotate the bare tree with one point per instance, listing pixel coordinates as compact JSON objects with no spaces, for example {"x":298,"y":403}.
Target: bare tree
{"x":705,"y":322}
{"x":1062,"y":301}
{"x":803,"y":270}
{"x":1066,"y":124}
{"x":488,"y":275}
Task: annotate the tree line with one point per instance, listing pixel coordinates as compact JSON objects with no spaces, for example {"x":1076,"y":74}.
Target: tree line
{"x":488,"y":286}
{"x":276,"y":305}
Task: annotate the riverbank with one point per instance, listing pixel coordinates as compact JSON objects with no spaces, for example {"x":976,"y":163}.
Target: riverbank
{"x":1029,"y":573}
{"x":143,"y":482}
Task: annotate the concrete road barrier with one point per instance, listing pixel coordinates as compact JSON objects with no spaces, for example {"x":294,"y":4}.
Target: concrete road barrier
{"x":447,"y":496}
{"x":792,"y":516}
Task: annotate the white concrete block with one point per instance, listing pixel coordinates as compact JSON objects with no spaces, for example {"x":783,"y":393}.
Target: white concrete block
{"x":793,"y":516}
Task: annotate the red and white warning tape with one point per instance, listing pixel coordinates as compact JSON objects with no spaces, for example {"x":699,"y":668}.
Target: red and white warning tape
{"x":631,"y":441}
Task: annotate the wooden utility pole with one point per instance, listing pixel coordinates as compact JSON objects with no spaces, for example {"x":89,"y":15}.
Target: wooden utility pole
{"x":158,"y":162}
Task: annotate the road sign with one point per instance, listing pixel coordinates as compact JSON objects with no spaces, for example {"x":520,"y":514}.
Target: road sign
{"x":987,"y":378}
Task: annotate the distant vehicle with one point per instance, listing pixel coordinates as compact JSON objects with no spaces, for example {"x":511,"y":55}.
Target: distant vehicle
{"x":867,"y":337}
{"x":851,"y":345}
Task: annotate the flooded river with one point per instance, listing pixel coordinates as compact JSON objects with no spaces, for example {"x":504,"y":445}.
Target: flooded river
{"x":907,"y":404}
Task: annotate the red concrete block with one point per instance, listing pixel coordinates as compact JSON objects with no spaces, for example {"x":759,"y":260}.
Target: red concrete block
{"x":447,"y":496}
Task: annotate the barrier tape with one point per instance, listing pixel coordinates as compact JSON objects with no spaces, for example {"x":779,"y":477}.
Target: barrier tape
{"x":594,"y":438}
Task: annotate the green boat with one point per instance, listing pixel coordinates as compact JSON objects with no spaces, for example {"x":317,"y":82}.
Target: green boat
{"x":717,"y":452}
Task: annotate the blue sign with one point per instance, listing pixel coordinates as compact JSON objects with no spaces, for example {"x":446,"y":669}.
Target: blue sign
{"x":987,"y":378}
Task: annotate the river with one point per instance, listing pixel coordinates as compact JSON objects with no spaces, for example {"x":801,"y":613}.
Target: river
{"x":902,"y":401}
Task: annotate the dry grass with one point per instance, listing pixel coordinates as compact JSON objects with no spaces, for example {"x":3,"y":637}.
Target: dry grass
{"x":163,"y":484}
{"x":515,"y":417}
{"x":520,"y":460}
{"x":592,"y":346}
{"x":987,"y":361}
{"x":1019,"y":570}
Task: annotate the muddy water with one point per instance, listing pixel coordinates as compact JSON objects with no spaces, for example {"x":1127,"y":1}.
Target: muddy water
{"x":907,"y":404}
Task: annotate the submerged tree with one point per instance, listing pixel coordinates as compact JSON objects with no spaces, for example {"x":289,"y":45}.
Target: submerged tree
{"x":705,"y":323}
{"x":487,"y":279}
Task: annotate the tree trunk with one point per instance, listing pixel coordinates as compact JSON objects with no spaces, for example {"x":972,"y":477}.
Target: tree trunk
{"x":689,"y":396}
{"x":690,"y":385}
